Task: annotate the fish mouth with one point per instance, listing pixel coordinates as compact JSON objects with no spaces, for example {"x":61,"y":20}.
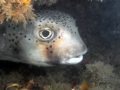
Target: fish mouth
{"x":73,"y":60}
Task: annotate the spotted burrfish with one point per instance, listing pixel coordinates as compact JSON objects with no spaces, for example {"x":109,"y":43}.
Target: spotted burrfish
{"x":51,"y":39}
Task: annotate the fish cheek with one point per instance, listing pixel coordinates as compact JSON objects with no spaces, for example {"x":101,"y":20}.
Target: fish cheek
{"x":52,"y":55}
{"x":41,"y":50}
{"x":45,"y":51}
{"x":51,"y":51}
{"x":54,"y":52}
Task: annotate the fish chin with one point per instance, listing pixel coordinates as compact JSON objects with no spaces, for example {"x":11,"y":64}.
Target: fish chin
{"x":73,"y":60}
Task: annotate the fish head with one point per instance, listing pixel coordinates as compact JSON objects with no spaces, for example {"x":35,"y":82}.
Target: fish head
{"x":59,"y":40}
{"x":52,"y":39}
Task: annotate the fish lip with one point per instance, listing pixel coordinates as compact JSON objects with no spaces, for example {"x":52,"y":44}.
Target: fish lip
{"x":73,"y":60}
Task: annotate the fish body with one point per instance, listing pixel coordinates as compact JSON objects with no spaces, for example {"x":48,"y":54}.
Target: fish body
{"x":52,"y":38}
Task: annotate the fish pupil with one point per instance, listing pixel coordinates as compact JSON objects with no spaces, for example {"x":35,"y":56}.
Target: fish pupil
{"x":45,"y":33}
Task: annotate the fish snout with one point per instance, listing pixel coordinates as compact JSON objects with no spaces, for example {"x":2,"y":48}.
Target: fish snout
{"x":75,"y":54}
{"x":82,"y":49}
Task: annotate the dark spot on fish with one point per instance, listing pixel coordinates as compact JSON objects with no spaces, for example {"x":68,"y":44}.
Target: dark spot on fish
{"x":25,"y":36}
{"x":47,"y":48}
{"x":13,"y":34}
{"x":10,"y":46}
{"x":29,"y":39}
{"x":50,"y":46}
{"x":15,"y":43}
{"x":29,"y":19}
{"x":20,"y":33}
{"x":51,"y":52}
{"x":75,"y":32}
{"x":15,"y":51}
{"x":9,"y":26}
{"x":16,"y":37}
{"x":13,"y":27}
{"x":17,"y":25}
{"x":12,"y":39}
{"x":39,"y":25}
{"x":9,"y":34}
{"x":53,"y":41}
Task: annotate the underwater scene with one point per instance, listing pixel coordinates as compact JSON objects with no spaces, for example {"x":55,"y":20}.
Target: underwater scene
{"x":59,"y":45}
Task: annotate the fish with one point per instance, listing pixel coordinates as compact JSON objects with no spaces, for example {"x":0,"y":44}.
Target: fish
{"x":51,"y":39}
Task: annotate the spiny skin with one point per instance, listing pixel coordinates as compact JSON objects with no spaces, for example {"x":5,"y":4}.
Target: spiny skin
{"x":52,"y":39}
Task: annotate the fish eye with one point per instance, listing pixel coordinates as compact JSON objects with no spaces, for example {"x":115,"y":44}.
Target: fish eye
{"x":46,"y":34}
